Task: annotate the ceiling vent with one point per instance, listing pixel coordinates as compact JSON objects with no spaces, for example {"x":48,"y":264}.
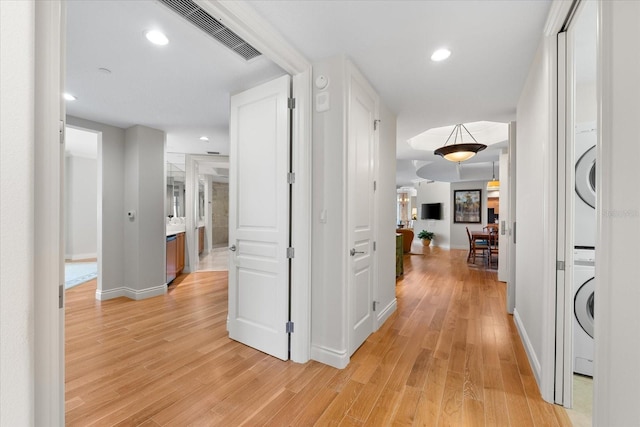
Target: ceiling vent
{"x":207,"y":23}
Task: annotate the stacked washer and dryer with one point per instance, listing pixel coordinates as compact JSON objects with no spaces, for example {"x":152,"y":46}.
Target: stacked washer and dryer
{"x":584,"y":252}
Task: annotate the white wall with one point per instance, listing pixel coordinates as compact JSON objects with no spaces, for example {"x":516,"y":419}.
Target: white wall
{"x":328,"y":296}
{"x":17,"y":28}
{"x":329,"y":337}
{"x":533,"y":151}
{"x":81,"y":207}
{"x":385,"y":293}
{"x":435,"y":192}
{"x":617,"y":320}
{"x":110,"y":202}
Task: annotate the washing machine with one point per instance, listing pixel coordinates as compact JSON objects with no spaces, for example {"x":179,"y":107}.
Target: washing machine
{"x":583,"y":306}
{"x":585,"y":200}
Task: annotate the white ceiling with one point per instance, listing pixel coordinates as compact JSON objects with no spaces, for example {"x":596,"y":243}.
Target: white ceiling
{"x":183,"y":88}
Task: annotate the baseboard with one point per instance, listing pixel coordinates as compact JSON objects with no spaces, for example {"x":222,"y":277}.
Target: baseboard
{"x":109,"y":294}
{"x":133,"y":294}
{"x":76,"y":257}
{"x":528,"y":347}
{"x":329,"y":356}
{"x":386,"y":312}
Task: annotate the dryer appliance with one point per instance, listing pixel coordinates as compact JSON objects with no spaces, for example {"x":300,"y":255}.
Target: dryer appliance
{"x":585,"y":199}
{"x":583,"y":310}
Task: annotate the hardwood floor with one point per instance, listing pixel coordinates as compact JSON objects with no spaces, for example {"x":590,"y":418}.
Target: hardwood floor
{"x":450,"y":356}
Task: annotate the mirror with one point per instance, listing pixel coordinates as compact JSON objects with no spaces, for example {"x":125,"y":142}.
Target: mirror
{"x":201,"y":198}
{"x":176,"y":178}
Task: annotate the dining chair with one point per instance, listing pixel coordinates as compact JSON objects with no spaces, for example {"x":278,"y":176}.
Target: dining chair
{"x":494,"y":249}
{"x":474,"y":247}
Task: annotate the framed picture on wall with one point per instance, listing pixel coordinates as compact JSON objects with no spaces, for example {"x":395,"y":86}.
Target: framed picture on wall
{"x":467,"y":206}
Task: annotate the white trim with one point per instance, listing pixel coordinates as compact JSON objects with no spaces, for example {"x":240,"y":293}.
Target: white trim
{"x":133,"y":294}
{"x":387,"y":312}
{"x":242,"y":19}
{"x":48,"y":351}
{"x":301,"y":218}
{"x":528,"y":347}
{"x":329,"y":356}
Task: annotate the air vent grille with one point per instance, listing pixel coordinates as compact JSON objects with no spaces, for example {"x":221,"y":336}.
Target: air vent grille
{"x":207,"y":23}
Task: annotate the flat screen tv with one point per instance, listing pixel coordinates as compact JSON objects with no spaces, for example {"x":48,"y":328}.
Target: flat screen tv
{"x":431,"y":211}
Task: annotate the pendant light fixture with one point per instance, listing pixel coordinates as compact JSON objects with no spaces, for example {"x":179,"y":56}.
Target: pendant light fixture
{"x":493,"y":184}
{"x":459,"y":152}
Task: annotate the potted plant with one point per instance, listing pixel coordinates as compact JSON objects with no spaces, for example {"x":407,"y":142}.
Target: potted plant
{"x":426,"y":237}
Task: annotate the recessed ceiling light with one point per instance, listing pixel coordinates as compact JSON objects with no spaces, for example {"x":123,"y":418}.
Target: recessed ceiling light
{"x":69,"y":97}
{"x":440,"y":55}
{"x":156,"y":37}
{"x":204,"y":138}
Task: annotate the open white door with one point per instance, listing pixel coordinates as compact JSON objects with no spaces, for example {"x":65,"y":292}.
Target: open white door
{"x":259,"y":218}
{"x":361,"y":216}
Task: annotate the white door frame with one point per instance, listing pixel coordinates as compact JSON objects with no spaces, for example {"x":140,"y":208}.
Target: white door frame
{"x":49,"y":79}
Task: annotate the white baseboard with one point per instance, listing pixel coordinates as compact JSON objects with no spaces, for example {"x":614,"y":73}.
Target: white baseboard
{"x":133,"y":294}
{"x":75,"y":257}
{"x":528,"y":347}
{"x":329,"y":356}
{"x":386,"y":312}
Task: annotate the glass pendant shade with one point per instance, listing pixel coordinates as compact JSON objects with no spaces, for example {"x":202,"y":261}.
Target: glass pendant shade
{"x":462,"y":151}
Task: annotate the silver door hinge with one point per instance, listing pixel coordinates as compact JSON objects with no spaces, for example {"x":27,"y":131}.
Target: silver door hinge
{"x":291,"y":178}
{"x":375,"y":124}
{"x":291,"y":103}
{"x":375,"y":185}
{"x":560,"y":265}
{"x":374,"y":245}
{"x":289,"y":327}
{"x":62,"y":132}
{"x":60,"y":296}
{"x":291,"y":253}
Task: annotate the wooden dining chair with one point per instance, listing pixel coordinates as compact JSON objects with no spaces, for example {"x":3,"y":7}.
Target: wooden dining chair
{"x":494,"y":250}
{"x":474,"y":247}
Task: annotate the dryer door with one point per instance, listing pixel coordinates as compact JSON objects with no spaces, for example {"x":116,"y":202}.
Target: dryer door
{"x":586,"y":177}
{"x":584,"y":305}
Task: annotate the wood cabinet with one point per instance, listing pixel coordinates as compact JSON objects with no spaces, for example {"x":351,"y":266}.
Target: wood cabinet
{"x":179,"y":253}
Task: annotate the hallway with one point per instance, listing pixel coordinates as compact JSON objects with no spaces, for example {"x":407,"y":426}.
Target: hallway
{"x":450,"y":355}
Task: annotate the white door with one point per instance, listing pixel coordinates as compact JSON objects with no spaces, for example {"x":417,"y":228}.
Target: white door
{"x":259,"y":218}
{"x":360,"y":196}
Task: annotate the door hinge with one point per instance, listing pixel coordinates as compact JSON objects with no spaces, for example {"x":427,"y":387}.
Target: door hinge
{"x":374,"y":305}
{"x":289,"y":327}
{"x":560,"y":265}
{"x":62,"y":132}
{"x":291,"y":178}
{"x":374,"y":245}
{"x":291,"y":103}
{"x":291,"y":253}
{"x":60,"y":296}
{"x":375,"y":185}
{"x":375,"y":124}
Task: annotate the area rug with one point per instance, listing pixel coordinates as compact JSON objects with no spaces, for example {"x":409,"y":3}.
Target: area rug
{"x":76,"y":273}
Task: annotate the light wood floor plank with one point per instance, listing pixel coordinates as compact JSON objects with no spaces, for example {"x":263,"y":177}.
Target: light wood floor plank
{"x":450,"y":355}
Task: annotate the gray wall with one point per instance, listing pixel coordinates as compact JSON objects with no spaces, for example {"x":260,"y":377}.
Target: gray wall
{"x":144,"y":188}
{"x":110,"y":244}
{"x":81,"y":208}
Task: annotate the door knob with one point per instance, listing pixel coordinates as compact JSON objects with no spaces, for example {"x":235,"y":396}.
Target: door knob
{"x":232,"y":248}
{"x":353,"y":251}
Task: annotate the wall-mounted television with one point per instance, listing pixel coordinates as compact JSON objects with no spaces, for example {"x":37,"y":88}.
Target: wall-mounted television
{"x":431,"y":211}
